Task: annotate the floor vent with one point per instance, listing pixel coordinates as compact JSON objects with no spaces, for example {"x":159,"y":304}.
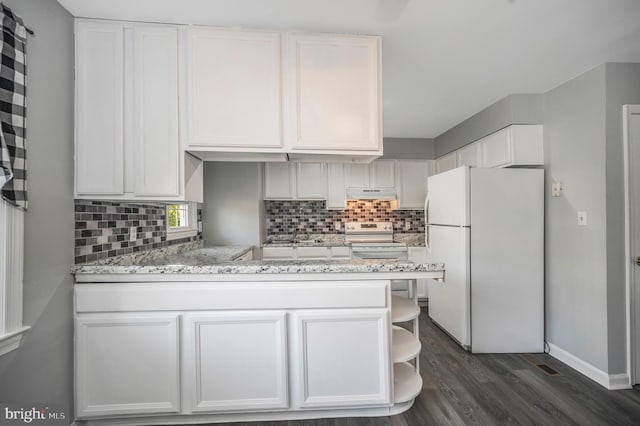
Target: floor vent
{"x":550,"y":371}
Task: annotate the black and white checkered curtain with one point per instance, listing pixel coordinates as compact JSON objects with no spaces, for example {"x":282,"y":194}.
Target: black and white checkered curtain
{"x":13,"y":154}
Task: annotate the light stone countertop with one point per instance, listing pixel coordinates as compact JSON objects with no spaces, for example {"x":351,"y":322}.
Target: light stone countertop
{"x":219,"y":260}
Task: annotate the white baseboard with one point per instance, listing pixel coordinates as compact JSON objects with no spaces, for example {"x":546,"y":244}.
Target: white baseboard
{"x":609,"y":381}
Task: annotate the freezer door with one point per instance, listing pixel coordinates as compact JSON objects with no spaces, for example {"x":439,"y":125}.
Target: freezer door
{"x":449,"y":197}
{"x":507,"y":255}
{"x":449,"y":300}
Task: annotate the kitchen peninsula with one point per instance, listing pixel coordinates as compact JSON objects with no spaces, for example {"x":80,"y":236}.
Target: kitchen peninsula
{"x":197,"y":336}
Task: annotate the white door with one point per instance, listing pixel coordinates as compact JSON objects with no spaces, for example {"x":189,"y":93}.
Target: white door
{"x":99,"y":108}
{"x":335,"y":92}
{"x":310,"y":181}
{"x":449,"y":198}
{"x":411,"y":182}
{"x":279,"y":181}
{"x":336,"y":185}
{"x":496,"y":149}
{"x":127,"y":364}
{"x":449,"y":300}
{"x":341,"y":358}
{"x":155,"y":87}
{"x":632,"y":139}
{"x":233,"y":88}
{"x":235,"y":361}
{"x":383,"y":174}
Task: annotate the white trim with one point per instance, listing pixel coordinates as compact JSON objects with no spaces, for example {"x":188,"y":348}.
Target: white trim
{"x":609,"y":381}
{"x":11,"y":341}
{"x":630,"y":289}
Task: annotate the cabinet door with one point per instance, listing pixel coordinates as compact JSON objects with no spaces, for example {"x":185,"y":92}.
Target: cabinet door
{"x":383,"y":174}
{"x":335,"y":92}
{"x":279,"y":181}
{"x":235,"y":361}
{"x":412,"y":183}
{"x":155,"y":86}
{"x":342,"y":358}
{"x":358,"y":176}
{"x":233,"y":88}
{"x":310,"y":181}
{"x":336,"y":185}
{"x":127,"y":364}
{"x":469,"y":156}
{"x":446,"y":162}
{"x":496,"y":149}
{"x":99,"y":108}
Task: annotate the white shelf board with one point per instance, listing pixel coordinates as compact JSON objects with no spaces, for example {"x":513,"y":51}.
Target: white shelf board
{"x":403,"y":309}
{"x":407,"y":383}
{"x":406,"y":345}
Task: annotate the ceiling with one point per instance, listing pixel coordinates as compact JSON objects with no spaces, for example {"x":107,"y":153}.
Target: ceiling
{"x":443,"y":60}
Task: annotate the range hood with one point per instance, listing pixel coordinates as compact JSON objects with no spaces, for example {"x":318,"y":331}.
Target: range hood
{"x":371,"y":194}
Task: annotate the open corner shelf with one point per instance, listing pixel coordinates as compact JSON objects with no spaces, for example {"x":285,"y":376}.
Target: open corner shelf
{"x":407,"y":383}
{"x":406,"y":345}
{"x":403,"y":309}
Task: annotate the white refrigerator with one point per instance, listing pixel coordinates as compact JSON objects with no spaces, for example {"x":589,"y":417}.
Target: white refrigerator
{"x":487,"y":226}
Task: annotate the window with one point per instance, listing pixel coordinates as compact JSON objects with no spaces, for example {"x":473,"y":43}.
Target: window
{"x":182,"y":220}
{"x":11,"y":267}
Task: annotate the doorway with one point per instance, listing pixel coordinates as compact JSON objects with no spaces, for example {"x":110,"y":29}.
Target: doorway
{"x":631,"y":131}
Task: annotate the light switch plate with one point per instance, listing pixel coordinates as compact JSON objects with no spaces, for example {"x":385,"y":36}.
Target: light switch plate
{"x":582,"y":218}
{"x":556,"y":189}
{"x":133,"y":234}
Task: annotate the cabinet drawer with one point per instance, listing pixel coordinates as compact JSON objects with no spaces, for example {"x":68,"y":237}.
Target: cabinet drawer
{"x":278,"y":252}
{"x":312,"y":252}
{"x":341,"y":252}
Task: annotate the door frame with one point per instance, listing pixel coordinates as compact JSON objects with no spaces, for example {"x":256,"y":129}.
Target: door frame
{"x":632,"y":314}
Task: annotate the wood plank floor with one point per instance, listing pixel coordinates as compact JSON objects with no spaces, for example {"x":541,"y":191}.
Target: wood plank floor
{"x":464,"y":389}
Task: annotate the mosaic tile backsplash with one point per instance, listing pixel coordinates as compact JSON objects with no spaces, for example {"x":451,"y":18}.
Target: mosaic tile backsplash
{"x":283,"y":217}
{"x":102,"y":229}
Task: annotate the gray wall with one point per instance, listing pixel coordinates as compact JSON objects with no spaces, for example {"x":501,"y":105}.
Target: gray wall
{"x":40,"y":371}
{"x":409,"y":148}
{"x":513,"y":109}
{"x":576,"y":273}
{"x":623,"y":87}
{"x":232,"y":212}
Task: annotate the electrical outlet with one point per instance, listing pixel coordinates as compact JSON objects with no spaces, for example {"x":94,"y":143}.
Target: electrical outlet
{"x":337,"y":226}
{"x":133,"y":234}
{"x":556,"y":189}
{"x":407,"y":225}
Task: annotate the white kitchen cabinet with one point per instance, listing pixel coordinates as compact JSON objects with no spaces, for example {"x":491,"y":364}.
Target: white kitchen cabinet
{"x":516,"y":145}
{"x":411,"y":183}
{"x":127,"y":363}
{"x":99,"y":148}
{"x":312,"y":253}
{"x":336,"y":185}
{"x":335,"y":93}
{"x":279,"y":181}
{"x":127,"y":142}
{"x":446,"y":162}
{"x":358,"y":176}
{"x":341,"y":358}
{"x":233,"y":89}
{"x":383,"y":173}
{"x":235,"y":361}
{"x":294,"y":181}
{"x":420,"y":255}
{"x":470,"y":155}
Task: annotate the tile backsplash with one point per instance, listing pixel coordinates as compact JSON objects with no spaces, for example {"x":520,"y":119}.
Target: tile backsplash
{"x":102,"y":229}
{"x":283,"y":217}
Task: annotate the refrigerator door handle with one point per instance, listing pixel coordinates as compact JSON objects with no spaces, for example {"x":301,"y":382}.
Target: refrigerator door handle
{"x":426,"y":225}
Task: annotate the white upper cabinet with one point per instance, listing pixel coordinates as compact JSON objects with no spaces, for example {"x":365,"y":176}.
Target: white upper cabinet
{"x":411,"y":183}
{"x":470,"y":156}
{"x":127,"y":138}
{"x":336,"y":185}
{"x":335,"y":93}
{"x":294,"y":181}
{"x":99,"y":155}
{"x":233,"y":89}
{"x":358,"y":176}
{"x":516,"y":145}
{"x":383,"y":174}
{"x":446,"y":162}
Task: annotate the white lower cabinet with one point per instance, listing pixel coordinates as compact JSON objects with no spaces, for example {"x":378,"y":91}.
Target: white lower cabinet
{"x":127,"y":364}
{"x":341,"y":358}
{"x":235,"y":361}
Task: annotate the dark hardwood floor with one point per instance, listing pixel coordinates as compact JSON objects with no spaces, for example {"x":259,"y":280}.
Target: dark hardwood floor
{"x":464,"y":389}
